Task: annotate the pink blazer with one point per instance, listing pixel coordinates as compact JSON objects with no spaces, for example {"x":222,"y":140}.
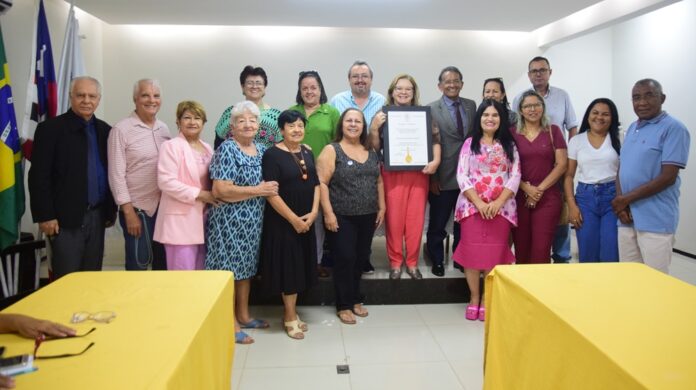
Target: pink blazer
{"x":180,"y":219}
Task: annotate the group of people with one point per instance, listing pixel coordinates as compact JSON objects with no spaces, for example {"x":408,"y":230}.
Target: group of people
{"x":278,"y":184}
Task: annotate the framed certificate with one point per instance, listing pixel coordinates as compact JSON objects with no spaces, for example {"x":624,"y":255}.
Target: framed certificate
{"x":408,"y":138}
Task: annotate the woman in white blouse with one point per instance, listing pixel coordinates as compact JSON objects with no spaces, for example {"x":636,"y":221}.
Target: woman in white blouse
{"x":593,"y":159}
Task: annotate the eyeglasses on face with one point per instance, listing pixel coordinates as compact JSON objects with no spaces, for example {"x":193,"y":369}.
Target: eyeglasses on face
{"x":100,"y":316}
{"x":541,"y":71}
{"x":256,"y":83}
{"x":532,"y":106}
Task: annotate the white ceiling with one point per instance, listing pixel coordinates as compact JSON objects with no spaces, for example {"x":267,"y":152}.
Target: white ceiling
{"x":492,"y":15}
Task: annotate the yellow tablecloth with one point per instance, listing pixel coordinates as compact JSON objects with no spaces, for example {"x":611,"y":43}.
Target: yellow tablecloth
{"x":173,"y":330}
{"x":589,"y":326}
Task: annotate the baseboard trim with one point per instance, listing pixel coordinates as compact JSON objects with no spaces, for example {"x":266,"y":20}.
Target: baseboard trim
{"x":687,"y":254}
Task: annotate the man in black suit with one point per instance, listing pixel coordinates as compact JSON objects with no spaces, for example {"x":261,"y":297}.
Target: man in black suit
{"x":68,"y":182}
{"x":455,"y":116}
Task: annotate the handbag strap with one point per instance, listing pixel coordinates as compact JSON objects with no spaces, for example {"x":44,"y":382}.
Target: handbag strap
{"x":553,"y":145}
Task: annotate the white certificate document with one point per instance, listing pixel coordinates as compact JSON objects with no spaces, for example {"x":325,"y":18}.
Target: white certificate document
{"x":408,"y":139}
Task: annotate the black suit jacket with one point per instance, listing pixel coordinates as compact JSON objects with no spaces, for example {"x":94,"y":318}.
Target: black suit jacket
{"x":451,"y":140}
{"x":58,"y":174}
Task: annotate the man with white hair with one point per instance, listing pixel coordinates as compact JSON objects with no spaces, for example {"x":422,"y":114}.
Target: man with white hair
{"x":133,"y":148}
{"x":68,"y":185}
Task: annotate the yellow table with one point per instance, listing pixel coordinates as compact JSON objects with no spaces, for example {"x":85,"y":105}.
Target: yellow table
{"x":589,"y":326}
{"x":173,"y":330}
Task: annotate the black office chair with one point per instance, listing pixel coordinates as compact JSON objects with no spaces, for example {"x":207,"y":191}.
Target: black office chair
{"x":19,"y":270}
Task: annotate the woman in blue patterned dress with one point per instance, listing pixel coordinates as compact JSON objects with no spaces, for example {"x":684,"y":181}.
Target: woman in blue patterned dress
{"x":234,"y":228}
{"x":253,"y":81}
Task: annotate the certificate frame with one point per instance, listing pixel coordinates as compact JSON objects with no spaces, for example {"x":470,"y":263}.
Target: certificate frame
{"x":407,"y":127}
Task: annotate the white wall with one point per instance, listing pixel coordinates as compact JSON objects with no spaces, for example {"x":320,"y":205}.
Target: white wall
{"x":661,"y":45}
{"x":203,"y":63}
{"x":607,"y":63}
{"x":582,"y":67}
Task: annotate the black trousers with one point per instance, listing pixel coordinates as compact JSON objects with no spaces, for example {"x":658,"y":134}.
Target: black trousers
{"x":351,"y":248}
{"x":441,"y":207}
{"x":79,"y":249}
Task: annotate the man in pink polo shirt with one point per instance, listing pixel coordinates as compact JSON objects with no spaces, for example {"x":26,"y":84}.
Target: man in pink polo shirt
{"x":133,"y":150}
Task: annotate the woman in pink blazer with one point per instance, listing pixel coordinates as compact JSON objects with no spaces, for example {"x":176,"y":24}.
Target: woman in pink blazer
{"x":182,"y":176}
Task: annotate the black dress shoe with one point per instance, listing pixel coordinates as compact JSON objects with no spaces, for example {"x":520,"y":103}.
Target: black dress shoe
{"x":438,"y":270}
{"x":369,"y":269}
{"x":457,"y":266}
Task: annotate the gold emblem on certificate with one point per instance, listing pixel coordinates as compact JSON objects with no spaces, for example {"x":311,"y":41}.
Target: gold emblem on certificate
{"x":407,"y":138}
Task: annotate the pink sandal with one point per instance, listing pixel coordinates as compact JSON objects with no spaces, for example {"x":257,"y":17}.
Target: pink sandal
{"x":482,"y":313}
{"x":472,"y":312}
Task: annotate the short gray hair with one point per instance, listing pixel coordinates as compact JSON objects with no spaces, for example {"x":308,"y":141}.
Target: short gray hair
{"x":242,"y":107}
{"x":88,"y":78}
{"x":136,"y":87}
{"x":650,"y":83}
{"x":360,"y":63}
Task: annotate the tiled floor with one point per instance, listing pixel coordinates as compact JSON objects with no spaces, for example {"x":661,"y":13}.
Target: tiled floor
{"x":396,"y":347}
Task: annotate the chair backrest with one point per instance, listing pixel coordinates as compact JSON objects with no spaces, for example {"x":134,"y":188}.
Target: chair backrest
{"x":19,"y":267}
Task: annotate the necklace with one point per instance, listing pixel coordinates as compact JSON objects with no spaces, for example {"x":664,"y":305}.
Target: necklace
{"x":300,"y":161}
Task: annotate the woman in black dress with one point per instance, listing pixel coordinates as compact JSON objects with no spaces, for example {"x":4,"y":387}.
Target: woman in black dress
{"x":288,"y":247}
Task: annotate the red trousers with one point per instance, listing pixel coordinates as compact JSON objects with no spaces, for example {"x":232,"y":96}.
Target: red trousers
{"x":536,"y":227}
{"x":405,"y":193}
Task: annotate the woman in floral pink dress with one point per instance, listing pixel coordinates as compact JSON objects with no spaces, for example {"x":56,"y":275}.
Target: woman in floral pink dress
{"x":488,"y":176}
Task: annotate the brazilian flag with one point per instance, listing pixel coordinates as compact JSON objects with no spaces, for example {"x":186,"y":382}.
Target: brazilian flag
{"x":11,"y":173}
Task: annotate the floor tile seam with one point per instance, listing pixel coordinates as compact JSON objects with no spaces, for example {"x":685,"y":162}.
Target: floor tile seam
{"x":385,"y":364}
{"x":345,"y":358}
{"x":380,"y":326}
{"x":274,"y":367}
{"x":454,"y":371}
{"x":439,"y":346}
{"x":361,"y":362}
{"x":246,"y":355}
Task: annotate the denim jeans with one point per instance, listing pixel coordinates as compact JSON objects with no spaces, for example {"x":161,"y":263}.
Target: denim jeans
{"x":142,"y":251}
{"x":597,"y":238}
{"x":560,"y":250}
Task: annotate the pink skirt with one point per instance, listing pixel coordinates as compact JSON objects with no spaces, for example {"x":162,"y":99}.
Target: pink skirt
{"x":484,"y":243}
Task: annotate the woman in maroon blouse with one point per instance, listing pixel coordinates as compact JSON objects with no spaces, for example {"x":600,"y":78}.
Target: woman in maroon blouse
{"x":543,"y":159}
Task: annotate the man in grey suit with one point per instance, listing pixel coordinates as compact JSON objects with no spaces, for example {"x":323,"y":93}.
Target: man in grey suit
{"x":454,"y":115}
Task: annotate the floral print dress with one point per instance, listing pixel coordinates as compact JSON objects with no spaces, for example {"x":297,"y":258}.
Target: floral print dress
{"x":489,"y":173}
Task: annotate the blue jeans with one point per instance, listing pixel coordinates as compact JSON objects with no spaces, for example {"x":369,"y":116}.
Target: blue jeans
{"x":560,"y":249}
{"x":142,"y":251}
{"x":441,"y":207}
{"x":597,"y":238}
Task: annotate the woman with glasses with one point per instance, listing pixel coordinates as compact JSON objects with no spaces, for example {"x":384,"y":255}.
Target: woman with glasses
{"x":352,"y":197}
{"x":489,"y":176}
{"x":182,"y":176}
{"x":254,"y":82}
{"x":405,"y":191}
{"x":494,"y":88}
{"x":543,"y":160}
{"x":593,"y":158}
{"x":320,"y":129}
{"x":234,"y":227}
{"x":288,"y":250}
